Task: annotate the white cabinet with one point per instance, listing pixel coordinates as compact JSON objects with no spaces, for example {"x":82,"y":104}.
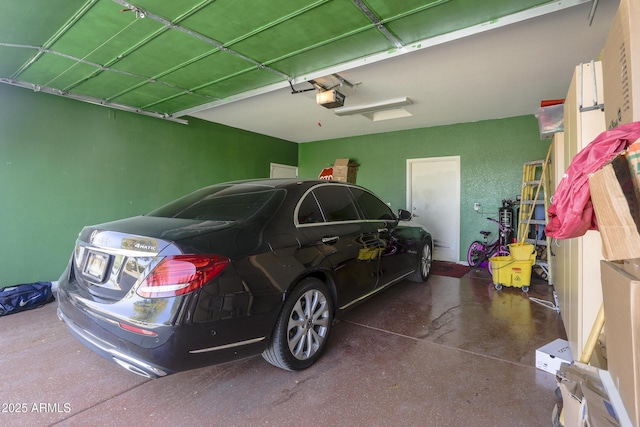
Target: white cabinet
{"x":576,"y":262}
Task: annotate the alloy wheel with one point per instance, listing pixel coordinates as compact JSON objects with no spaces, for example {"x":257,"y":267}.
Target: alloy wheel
{"x":308,"y":324}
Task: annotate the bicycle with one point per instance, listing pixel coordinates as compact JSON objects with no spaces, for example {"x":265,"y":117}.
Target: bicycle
{"x":480,"y":252}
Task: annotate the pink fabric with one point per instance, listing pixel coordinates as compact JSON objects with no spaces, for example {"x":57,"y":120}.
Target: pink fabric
{"x":571,"y":212}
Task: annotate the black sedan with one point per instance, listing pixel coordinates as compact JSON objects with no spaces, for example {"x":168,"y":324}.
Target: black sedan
{"x":234,"y":270}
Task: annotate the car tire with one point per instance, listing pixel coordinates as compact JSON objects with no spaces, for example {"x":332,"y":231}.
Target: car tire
{"x":425,"y":259}
{"x":302,"y":330}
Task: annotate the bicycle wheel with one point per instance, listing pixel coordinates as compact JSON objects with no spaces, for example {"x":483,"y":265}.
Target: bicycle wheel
{"x":498,"y":252}
{"x":475,"y":254}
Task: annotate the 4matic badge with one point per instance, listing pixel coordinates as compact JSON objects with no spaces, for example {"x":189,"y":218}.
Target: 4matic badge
{"x":145,"y":246}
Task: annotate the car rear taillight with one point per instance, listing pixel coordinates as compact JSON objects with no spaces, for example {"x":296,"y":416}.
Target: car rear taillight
{"x":181,"y":274}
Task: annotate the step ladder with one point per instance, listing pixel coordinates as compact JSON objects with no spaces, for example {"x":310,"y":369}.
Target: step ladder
{"x":535,"y":193}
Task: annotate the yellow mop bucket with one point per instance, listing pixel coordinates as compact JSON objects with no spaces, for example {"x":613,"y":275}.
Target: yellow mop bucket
{"x":522,"y":252}
{"x":499,"y":268}
{"x":508,"y":271}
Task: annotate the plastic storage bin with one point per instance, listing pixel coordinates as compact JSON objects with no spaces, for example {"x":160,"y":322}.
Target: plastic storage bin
{"x":550,"y":120}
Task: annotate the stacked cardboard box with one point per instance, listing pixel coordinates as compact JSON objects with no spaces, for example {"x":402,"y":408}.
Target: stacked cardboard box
{"x":615,"y":193}
{"x":587,"y":398}
{"x":621,"y":297}
{"x":621,"y":66}
{"x":345,"y":170}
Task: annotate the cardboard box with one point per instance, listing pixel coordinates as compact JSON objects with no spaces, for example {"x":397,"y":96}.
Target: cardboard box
{"x":621,"y":299}
{"x":589,"y":397}
{"x":598,"y":409}
{"x":621,"y":66}
{"x":571,"y":403}
{"x":345,"y":170}
{"x":549,"y":357}
{"x":616,"y":203}
{"x":573,"y":378}
{"x":633,"y":158}
{"x":632,"y":266}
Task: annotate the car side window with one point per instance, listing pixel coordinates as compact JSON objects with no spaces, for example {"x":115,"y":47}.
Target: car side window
{"x":309,"y":211}
{"x":372,"y":207}
{"x":336,"y":202}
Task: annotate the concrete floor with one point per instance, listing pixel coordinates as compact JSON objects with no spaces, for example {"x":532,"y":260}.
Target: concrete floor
{"x":450,"y":352}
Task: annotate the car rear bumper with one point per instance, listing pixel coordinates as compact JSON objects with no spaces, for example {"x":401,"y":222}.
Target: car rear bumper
{"x":111,"y":352}
{"x":175,"y":348}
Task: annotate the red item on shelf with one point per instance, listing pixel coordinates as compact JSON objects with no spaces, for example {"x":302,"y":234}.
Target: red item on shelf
{"x":549,"y":102}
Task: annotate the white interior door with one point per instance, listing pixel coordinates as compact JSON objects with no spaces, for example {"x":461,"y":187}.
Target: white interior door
{"x":283,"y":171}
{"x":433,"y":196}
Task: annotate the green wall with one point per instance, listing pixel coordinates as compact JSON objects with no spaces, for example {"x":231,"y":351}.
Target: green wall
{"x":65,"y":164}
{"x":492,"y":154}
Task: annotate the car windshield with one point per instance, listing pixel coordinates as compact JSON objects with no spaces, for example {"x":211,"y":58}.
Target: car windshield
{"x":223,"y":203}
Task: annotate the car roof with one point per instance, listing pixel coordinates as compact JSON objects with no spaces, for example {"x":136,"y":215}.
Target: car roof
{"x":281,"y":182}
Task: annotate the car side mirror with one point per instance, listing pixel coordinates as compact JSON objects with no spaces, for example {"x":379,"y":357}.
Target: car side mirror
{"x":404,"y":215}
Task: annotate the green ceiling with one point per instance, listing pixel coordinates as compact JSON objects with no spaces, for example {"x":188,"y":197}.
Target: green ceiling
{"x":163,"y":57}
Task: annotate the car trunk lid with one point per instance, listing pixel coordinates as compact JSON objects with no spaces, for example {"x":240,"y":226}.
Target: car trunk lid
{"x":110,"y":259}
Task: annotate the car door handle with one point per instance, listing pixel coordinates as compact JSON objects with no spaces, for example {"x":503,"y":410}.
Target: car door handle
{"x":330,"y":240}
{"x":383,"y":230}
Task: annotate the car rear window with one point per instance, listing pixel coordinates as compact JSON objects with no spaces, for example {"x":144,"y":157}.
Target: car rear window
{"x":223,"y":203}
{"x":336,"y":202}
{"x":309,"y":211}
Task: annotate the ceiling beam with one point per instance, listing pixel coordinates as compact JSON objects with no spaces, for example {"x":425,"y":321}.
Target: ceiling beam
{"x":378,"y":24}
{"x":91,"y":100}
{"x":100,"y":68}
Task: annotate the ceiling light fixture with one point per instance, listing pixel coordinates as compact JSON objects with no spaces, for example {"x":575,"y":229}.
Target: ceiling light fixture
{"x":396,"y":113}
{"x":373,"y":107}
